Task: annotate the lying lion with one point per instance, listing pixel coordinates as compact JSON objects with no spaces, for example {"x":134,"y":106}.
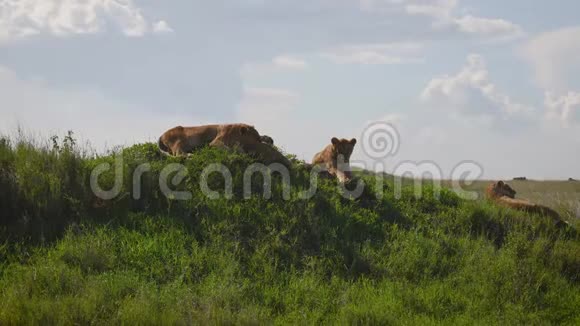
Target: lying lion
{"x":335,"y":158}
{"x":501,"y":193}
{"x":185,"y":140}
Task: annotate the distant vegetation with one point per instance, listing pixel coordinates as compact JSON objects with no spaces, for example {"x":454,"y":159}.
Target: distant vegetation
{"x":67,"y":257}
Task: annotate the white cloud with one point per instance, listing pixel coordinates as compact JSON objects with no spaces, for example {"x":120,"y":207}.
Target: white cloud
{"x":393,"y":118}
{"x":106,"y":122}
{"x":471,"y":92}
{"x":555,"y":58}
{"x":495,"y":28}
{"x":24,"y":18}
{"x":444,"y":16}
{"x":267,"y":95}
{"x":564,"y":109}
{"x":376,"y":54}
{"x":279,"y":63}
{"x":286,"y":61}
{"x":162,"y":27}
{"x":440,"y":10}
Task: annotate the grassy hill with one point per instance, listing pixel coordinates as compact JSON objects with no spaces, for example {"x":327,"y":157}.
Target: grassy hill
{"x":67,"y":257}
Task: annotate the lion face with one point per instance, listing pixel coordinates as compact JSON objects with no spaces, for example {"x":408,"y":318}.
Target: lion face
{"x":501,"y":188}
{"x":343,"y":148}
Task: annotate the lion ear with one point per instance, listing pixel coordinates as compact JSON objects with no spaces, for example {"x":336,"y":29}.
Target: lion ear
{"x":243,"y":130}
{"x":353,"y":141}
{"x":500,"y":183}
{"x":334,"y":141}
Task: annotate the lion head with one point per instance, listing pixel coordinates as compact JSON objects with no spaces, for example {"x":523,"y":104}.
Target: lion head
{"x":500,"y":189}
{"x":267,"y":140}
{"x":239,"y":133}
{"x":250,"y":133}
{"x":343,"y":148}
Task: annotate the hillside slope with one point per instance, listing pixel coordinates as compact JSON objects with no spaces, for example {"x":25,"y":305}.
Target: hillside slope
{"x":68,"y":257}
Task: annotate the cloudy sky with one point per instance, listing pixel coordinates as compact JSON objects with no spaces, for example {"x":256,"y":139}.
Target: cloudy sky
{"x":495,"y":82}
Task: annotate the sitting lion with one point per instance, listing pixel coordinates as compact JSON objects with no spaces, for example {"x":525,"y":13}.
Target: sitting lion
{"x":185,"y":140}
{"x":501,"y":193}
{"x":335,"y":158}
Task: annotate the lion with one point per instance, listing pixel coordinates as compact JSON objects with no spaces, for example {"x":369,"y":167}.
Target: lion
{"x":180,"y":141}
{"x":335,"y":158}
{"x":503,"y":194}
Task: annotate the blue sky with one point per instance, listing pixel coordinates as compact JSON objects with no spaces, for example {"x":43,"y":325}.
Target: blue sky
{"x":493,"y":82}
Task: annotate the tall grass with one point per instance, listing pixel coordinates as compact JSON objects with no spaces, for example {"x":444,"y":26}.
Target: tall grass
{"x":69,"y":258}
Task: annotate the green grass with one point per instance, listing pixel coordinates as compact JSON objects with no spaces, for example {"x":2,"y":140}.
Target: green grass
{"x":68,"y":258}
